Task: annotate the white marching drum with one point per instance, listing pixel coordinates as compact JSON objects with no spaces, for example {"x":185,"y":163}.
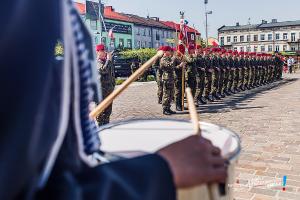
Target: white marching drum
{"x":137,"y":137}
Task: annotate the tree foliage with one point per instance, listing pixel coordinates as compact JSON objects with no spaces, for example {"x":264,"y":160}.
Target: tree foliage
{"x":141,"y":54}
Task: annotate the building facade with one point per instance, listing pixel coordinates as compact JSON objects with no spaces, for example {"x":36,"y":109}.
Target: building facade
{"x":264,"y":37}
{"x":193,"y":36}
{"x":151,"y":32}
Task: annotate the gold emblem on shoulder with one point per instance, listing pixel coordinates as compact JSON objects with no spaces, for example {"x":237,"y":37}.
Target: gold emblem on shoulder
{"x":59,"y":49}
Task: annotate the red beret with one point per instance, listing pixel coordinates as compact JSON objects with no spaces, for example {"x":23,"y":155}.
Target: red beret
{"x":223,"y":51}
{"x":161,"y":48}
{"x":229,"y":51}
{"x":100,"y":47}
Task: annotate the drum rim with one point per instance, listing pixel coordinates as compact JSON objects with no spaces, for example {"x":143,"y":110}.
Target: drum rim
{"x":231,"y":158}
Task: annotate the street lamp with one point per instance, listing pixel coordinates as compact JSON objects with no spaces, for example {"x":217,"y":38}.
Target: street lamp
{"x":207,"y":13}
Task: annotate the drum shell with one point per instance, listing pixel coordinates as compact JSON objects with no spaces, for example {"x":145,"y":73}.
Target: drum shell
{"x":201,"y":192}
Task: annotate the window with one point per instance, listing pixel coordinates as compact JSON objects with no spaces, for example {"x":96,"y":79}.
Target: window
{"x":270,"y":48}
{"x":103,"y":40}
{"x":235,"y":39}
{"x":255,"y":38}
{"x":121,"y":42}
{"x":138,"y":31}
{"x":248,"y":49}
{"x":235,"y":48}
{"x":293,"y":48}
{"x":255,"y":48}
{"x":138,"y":44}
{"x":241,"y":48}
{"x":293,"y":37}
{"x":277,"y":48}
{"x":192,"y":37}
{"x":149,"y":32}
{"x":228,"y":39}
{"x":277,"y":36}
{"x":262,"y":37}
{"x":113,"y":42}
{"x":93,"y":24}
{"x":262,"y":48}
{"x":270,"y":37}
{"x":222,"y":41}
{"x":284,"y":47}
{"x":248,"y":38}
{"x":163,"y":34}
{"x":150,"y":45}
{"x":144,"y":32}
{"x":157,"y":36}
{"x":242,"y":38}
{"x":129,"y":43}
{"x":285,"y":36}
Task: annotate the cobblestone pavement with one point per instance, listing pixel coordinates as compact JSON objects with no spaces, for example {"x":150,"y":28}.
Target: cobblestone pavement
{"x":267,"y":120}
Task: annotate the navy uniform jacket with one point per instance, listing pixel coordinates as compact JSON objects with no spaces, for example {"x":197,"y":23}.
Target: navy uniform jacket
{"x":31,"y":107}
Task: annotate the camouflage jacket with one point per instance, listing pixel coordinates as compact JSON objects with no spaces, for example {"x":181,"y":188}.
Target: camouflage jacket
{"x":106,"y":74}
{"x":191,"y":71}
{"x":167,"y":67}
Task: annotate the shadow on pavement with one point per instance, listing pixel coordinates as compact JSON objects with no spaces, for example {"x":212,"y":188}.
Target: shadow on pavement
{"x":240,"y":101}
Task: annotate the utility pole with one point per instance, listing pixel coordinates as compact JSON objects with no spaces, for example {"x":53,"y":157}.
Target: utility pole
{"x":249,"y":42}
{"x":206,"y":24}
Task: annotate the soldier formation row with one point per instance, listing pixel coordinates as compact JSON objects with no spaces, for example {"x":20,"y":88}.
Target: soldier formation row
{"x":212,"y":74}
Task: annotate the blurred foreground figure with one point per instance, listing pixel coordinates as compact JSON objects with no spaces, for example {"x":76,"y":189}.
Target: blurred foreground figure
{"x":46,"y":134}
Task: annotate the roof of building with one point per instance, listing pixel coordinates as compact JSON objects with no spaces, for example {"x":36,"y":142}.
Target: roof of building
{"x":147,"y":21}
{"x":280,"y":24}
{"x":262,"y":25}
{"x":236,"y":28}
{"x":176,"y":26}
{"x":109,"y":13}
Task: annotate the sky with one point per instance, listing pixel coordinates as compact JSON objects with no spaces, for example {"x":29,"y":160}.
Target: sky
{"x":225,"y":12}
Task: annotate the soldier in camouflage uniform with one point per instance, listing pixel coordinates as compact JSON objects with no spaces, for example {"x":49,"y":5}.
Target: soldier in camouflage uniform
{"x":208,"y":74}
{"x":191,"y":70}
{"x":167,"y":67}
{"x":278,"y":67}
{"x":179,"y":65}
{"x":200,"y":65}
{"x":242,"y":70}
{"x":247,"y":71}
{"x":236,"y":64}
{"x":223,"y":69}
{"x":216,"y":75}
{"x":159,"y":81}
{"x":107,"y":79}
{"x":227,"y":68}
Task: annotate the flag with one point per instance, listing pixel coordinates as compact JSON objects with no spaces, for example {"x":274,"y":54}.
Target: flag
{"x":110,"y":33}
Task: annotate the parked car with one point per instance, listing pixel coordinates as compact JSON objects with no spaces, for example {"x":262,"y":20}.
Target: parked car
{"x":122,"y":66}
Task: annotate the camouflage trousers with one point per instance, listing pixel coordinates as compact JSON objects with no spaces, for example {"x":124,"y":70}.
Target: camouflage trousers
{"x":236,"y":78}
{"x":200,"y":84}
{"x":221,"y":81}
{"x":168,"y":89}
{"x":178,"y":89}
{"x":243,"y":75}
{"x":216,"y":80}
{"x":159,"y":86}
{"x":226,"y":79}
{"x":192,"y":83}
{"x":247,"y":76}
{"x":231,"y":78}
{"x":104,"y":117}
{"x":209,"y":76}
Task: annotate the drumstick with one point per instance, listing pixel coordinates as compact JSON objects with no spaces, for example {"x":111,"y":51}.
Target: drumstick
{"x":195,"y":120}
{"x":107,"y":101}
{"x":193,"y":111}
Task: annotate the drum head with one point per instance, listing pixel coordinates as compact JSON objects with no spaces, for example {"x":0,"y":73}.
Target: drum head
{"x":151,"y":135}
